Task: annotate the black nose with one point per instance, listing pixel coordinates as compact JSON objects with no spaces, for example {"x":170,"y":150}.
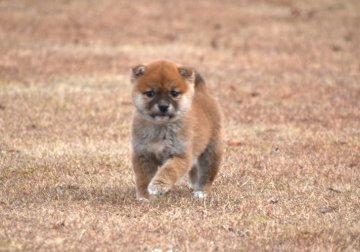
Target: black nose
{"x":163,"y":108}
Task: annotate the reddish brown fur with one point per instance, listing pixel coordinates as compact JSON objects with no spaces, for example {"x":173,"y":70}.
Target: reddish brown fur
{"x":195,"y":139}
{"x":159,"y":73}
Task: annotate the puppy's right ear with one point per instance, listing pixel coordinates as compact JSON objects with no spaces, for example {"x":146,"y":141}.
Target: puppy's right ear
{"x":137,"y":71}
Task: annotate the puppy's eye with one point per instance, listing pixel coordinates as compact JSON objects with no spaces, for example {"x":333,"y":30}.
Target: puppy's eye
{"x":150,"y":93}
{"x":174,"y":93}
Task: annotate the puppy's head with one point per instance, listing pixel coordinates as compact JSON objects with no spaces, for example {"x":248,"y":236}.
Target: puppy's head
{"x":162,"y":90}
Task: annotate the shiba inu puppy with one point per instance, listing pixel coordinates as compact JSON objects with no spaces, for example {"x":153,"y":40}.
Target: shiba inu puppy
{"x":176,"y":129}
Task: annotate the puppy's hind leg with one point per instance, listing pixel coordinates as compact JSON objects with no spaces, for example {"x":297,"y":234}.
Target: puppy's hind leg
{"x":193,"y":175}
{"x":206,"y":169}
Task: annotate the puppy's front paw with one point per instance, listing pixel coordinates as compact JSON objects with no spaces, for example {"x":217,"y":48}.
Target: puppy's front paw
{"x":199,"y":194}
{"x":143,"y":200}
{"x":158,"y":188}
{"x":142,"y":197}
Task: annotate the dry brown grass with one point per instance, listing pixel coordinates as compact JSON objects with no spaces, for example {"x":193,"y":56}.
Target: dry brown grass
{"x":286,"y":73}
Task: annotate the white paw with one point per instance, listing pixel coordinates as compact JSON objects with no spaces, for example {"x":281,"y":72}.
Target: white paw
{"x":157,"y":189}
{"x":143,"y":200}
{"x":199,"y":194}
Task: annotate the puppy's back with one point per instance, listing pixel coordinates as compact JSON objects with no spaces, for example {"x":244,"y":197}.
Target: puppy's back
{"x":206,"y":115}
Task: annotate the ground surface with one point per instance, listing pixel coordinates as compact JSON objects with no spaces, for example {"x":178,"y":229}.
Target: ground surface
{"x":287,"y":75}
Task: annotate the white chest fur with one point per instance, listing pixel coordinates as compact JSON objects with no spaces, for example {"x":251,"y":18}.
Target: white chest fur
{"x":157,"y":148}
{"x":163,"y":141}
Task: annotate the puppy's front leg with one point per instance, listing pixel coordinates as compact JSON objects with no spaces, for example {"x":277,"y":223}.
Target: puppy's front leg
{"x":168,"y":174}
{"x":145,"y":169}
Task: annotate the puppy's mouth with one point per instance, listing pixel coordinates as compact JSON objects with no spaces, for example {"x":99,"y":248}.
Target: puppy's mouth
{"x":162,"y":116}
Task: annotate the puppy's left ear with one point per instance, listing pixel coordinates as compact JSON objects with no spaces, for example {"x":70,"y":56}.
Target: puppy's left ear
{"x":187,"y":73}
{"x":137,"y":72}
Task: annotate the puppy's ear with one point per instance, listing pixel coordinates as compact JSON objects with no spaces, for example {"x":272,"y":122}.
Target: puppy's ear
{"x":188,"y":73}
{"x":137,"y":71}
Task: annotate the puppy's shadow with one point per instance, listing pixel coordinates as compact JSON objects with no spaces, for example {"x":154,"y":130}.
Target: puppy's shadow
{"x":114,"y":195}
{"x":119,"y":195}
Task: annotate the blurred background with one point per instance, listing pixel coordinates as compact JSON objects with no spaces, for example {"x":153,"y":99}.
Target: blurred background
{"x":277,"y":49}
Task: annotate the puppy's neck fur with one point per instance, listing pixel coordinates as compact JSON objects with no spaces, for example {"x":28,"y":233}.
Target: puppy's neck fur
{"x":161,"y":139}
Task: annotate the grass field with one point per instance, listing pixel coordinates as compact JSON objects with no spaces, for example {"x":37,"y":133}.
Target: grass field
{"x":287,"y":75}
